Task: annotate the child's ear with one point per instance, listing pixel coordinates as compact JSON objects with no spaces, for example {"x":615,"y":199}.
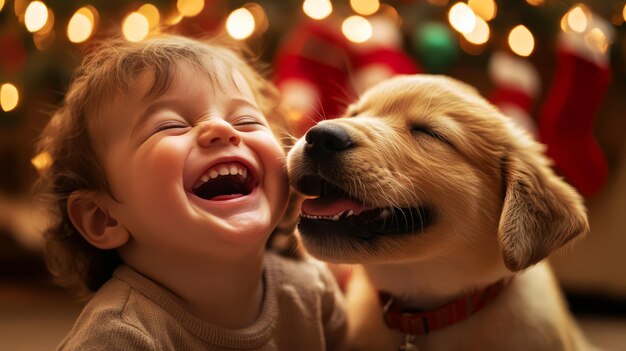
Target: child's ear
{"x":90,"y":215}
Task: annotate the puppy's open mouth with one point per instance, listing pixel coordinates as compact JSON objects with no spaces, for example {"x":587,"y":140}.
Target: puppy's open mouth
{"x":334,"y":211}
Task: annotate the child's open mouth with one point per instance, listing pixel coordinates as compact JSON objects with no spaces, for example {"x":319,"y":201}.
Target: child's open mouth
{"x":224,"y":181}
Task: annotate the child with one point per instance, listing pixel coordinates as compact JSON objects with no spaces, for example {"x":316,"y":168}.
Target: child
{"x":168,"y":180}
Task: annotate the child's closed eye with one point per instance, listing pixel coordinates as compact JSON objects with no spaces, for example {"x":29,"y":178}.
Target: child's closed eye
{"x":247,"y":121}
{"x":170,"y":125}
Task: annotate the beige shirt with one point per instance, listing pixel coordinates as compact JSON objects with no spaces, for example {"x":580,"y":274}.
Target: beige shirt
{"x":302,"y":310}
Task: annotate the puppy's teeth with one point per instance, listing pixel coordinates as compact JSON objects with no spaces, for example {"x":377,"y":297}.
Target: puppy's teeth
{"x":233,"y":170}
{"x":350,"y":213}
{"x":335,"y":217}
{"x":213,"y":174}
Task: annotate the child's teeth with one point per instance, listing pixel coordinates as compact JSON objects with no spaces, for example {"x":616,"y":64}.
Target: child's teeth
{"x":240,"y":171}
{"x":233,"y":170}
{"x":213,"y":174}
{"x":224,"y":171}
{"x":244,"y":173}
{"x":204,"y":178}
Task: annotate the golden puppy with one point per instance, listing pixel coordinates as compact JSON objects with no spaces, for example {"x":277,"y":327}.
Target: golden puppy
{"x":448,"y":209}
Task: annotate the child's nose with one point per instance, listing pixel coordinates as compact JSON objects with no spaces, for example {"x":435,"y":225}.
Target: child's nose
{"x":216,"y":132}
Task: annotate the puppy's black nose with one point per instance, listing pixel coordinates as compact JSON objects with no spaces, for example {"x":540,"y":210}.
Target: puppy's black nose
{"x":326,"y":140}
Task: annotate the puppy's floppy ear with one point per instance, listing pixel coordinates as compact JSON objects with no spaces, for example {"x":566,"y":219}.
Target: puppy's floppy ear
{"x":541,"y":212}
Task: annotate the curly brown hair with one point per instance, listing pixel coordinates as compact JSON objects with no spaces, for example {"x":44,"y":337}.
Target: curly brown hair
{"x":107,"y":71}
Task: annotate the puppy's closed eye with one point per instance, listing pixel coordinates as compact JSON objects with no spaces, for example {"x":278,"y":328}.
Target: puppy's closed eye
{"x":418,"y":130}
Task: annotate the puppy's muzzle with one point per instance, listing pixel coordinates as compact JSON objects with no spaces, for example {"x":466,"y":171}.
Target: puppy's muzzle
{"x":326,"y":140}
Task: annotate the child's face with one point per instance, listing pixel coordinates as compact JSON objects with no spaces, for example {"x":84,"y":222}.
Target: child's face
{"x":196,"y":169}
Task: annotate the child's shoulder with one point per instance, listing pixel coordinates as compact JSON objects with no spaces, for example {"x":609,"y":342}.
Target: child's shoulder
{"x":103,"y":316}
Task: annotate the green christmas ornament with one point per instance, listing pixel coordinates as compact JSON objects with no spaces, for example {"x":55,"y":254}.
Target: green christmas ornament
{"x":436,"y":46}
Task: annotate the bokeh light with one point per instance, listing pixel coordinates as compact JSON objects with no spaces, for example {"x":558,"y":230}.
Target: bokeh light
{"x":9,"y":97}
{"x":36,"y":16}
{"x":190,"y":8}
{"x":521,"y":41}
{"x":365,"y":7}
{"x":597,"y":41}
{"x":81,"y":25}
{"x":261,"y":23}
{"x":135,"y":27}
{"x":480,"y":34}
{"x":535,"y":2}
{"x":41,"y":161}
{"x":1,"y":4}
{"x":317,"y":9}
{"x":44,"y":38}
{"x":151,"y":13}
{"x":391,"y":13}
{"x":578,"y":18}
{"x":462,"y":18}
{"x":240,"y":24}
{"x":357,"y":29}
{"x":486,"y":9}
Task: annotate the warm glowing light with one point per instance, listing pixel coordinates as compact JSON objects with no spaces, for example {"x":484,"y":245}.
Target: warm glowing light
{"x":135,"y":27}
{"x":480,"y":34}
{"x":462,"y":18}
{"x":486,"y":9}
{"x":44,"y":40}
{"x":261,"y":22}
{"x":577,"y":19}
{"x":151,"y":13}
{"x":391,"y":13}
{"x":19,"y":7}
{"x":190,"y":8}
{"x":535,"y":2}
{"x":9,"y":97}
{"x":174,"y":18}
{"x":365,"y":7}
{"x":624,"y":12}
{"x":357,"y":29}
{"x":521,"y":41}
{"x":36,"y":16}
{"x":317,"y":9}
{"x":1,"y":4}
{"x":49,"y":24}
{"x":240,"y":24}
{"x":80,"y":26}
{"x":41,"y":161}
{"x":597,"y":41}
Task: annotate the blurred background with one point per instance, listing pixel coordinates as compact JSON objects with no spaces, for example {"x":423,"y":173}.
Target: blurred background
{"x":556,"y":67}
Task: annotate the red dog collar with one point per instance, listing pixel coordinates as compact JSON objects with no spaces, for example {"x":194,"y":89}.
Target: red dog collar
{"x":419,"y":322}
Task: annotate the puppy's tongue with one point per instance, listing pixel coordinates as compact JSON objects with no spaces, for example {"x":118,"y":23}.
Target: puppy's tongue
{"x":331,"y":206}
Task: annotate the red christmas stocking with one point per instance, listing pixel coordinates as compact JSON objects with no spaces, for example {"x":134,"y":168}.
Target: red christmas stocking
{"x":516,"y":84}
{"x":580,"y":80}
